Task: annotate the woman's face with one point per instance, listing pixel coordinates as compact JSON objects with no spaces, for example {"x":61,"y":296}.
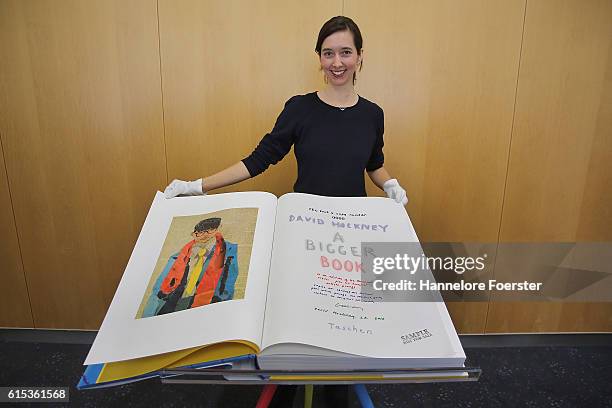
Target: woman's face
{"x":339,"y":58}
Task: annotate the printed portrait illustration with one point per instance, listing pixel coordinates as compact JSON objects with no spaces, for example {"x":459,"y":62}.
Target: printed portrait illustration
{"x":204,"y":260}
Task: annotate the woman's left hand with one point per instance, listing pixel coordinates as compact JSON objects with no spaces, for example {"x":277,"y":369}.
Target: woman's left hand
{"x":395,"y":191}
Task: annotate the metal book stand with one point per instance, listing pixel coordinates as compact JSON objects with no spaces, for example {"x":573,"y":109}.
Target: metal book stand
{"x":357,"y":378}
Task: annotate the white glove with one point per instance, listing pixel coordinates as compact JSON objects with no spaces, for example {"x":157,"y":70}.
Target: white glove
{"x":395,"y":191}
{"x":180,"y":187}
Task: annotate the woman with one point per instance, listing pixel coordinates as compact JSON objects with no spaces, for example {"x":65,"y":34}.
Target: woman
{"x":336,"y":134}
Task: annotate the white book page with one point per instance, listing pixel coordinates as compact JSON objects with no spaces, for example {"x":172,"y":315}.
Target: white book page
{"x":303,"y":307}
{"x":124,"y":336}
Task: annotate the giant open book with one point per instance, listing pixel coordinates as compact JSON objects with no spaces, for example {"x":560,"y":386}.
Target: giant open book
{"x":216,"y":279}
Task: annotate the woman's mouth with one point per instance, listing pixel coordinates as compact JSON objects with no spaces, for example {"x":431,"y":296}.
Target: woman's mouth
{"x":338,"y":73}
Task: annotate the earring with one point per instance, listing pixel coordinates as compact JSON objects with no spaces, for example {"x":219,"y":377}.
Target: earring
{"x":325,"y":78}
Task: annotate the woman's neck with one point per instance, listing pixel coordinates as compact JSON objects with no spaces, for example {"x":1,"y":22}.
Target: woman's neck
{"x":339,"y":96}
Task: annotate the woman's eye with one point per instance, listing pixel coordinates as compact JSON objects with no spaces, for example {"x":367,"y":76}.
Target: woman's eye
{"x":346,"y":52}
{"x":327,"y":54}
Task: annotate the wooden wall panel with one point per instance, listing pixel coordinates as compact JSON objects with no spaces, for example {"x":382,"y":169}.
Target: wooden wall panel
{"x":228,"y":67}
{"x":560,"y":171}
{"x":81,"y":125}
{"x":16,"y":311}
{"x":85,"y":89}
{"x":445,"y":73}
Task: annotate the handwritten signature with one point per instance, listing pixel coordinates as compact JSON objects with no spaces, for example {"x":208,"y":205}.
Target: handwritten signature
{"x":349,"y":306}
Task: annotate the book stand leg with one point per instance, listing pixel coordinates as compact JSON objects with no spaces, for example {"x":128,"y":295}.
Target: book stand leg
{"x":266,"y":396}
{"x":308,"y":396}
{"x":364,"y":397}
{"x":268,"y":393}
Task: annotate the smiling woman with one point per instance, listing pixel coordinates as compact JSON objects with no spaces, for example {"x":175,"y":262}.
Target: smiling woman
{"x":337,"y":134}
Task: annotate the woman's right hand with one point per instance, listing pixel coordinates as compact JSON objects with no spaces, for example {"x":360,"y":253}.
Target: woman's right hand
{"x":180,"y":187}
{"x":226,"y":177}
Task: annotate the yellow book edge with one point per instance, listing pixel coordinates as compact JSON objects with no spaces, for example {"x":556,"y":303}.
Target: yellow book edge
{"x":121,"y":370}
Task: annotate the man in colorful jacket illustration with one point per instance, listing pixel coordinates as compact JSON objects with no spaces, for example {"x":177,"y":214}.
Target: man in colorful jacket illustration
{"x":197,"y":275}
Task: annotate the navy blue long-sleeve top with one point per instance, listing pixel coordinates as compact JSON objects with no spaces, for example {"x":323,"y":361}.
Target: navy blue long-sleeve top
{"x":333,"y":146}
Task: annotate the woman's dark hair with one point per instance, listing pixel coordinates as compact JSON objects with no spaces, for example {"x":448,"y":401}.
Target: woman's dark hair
{"x":340,"y":23}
